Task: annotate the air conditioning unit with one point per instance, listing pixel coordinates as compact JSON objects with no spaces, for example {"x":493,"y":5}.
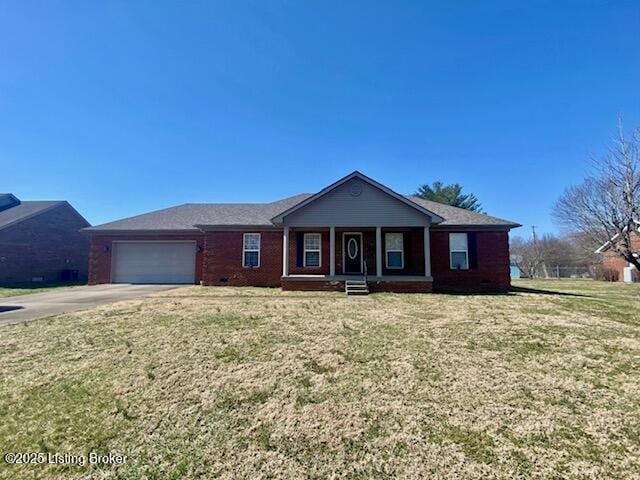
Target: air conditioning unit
{"x":630,"y":275}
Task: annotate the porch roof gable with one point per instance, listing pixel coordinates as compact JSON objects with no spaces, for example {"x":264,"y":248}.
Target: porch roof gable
{"x":433,"y":218}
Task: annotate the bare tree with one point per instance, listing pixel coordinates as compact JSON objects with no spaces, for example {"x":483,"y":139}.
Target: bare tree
{"x":527,"y":255}
{"x":584,"y":250}
{"x":606,"y":205}
{"x":538,"y":256}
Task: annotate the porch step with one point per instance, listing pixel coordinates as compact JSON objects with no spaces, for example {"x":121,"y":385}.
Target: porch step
{"x":356,"y":287}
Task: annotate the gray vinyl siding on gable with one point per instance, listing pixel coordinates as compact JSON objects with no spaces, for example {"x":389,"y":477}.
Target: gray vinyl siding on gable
{"x":373,"y":207}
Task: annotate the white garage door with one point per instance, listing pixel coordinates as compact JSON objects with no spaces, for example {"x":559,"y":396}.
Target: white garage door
{"x":153,"y":262}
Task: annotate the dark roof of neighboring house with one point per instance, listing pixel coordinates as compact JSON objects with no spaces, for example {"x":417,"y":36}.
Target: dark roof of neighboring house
{"x":25,"y":210}
{"x":190,"y":215}
{"x":8,"y":200}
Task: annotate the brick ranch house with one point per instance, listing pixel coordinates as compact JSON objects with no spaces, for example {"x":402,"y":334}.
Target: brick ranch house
{"x":619,"y":268}
{"x":352,"y":229}
{"x":41,"y":241}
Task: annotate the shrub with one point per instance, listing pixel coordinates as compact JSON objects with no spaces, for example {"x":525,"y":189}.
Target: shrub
{"x":606,"y":274}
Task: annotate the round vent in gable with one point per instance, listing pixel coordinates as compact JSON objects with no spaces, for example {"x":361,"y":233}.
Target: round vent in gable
{"x":355,"y":189}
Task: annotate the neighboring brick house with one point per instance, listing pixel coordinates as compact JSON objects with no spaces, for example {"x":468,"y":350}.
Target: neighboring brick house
{"x":616,"y":267}
{"x":41,"y":241}
{"x":354,"y":228}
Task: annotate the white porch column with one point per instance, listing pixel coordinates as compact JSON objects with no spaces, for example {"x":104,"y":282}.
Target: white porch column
{"x":427,"y":253}
{"x":285,"y":252}
{"x":332,"y":251}
{"x":378,"y":251}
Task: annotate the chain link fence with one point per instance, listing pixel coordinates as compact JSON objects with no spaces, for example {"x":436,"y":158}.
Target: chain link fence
{"x":559,"y":271}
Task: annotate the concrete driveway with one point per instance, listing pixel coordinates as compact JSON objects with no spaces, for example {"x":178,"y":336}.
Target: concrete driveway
{"x":33,"y":306}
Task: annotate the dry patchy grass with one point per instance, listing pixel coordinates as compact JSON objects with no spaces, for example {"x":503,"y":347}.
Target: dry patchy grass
{"x":33,"y":287}
{"x":258,"y":383}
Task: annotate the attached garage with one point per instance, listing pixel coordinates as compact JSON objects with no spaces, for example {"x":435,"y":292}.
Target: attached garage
{"x":153,"y":262}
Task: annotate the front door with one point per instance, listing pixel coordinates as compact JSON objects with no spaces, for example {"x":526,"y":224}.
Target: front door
{"x":352,"y":248}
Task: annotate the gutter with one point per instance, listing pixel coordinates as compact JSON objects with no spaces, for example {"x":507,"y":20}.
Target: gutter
{"x":230,"y":228}
{"x":476,"y":227}
{"x":94,"y":232}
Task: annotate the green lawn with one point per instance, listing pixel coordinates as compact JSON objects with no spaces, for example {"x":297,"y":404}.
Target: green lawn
{"x":257,"y":383}
{"x":32,"y":287}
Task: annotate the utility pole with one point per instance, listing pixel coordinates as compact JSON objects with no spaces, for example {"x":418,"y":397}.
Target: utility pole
{"x":536,"y":257}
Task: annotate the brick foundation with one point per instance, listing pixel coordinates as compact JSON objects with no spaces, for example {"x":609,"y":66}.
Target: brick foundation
{"x":312,"y":285}
{"x":401,"y":287}
{"x":374,"y":286}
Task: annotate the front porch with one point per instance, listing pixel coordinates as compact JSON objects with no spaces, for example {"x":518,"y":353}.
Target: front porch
{"x":389,"y":283}
{"x":357,"y":228}
{"x":387,"y":258}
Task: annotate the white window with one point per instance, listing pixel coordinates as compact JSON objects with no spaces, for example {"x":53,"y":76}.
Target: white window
{"x":312,"y":249}
{"x":394,"y":250}
{"x":251,"y":250}
{"x":459,"y":251}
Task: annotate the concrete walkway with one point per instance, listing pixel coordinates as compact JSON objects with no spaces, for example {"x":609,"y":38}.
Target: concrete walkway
{"x":33,"y":306}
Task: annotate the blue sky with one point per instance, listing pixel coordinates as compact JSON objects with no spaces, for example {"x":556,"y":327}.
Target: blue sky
{"x":126,"y":107}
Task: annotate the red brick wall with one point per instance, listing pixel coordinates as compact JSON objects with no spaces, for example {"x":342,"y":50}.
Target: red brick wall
{"x":491,"y":274}
{"x":101,"y":248}
{"x":613,"y":261}
{"x":44,"y":246}
{"x":413,"y":252}
{"x":413,"y":255}
{"x":223,"y":259}
{"x":293,"y":252}
{"x":339,"y":238}
{"x":369,"y":247}
{"x":220,"y":262}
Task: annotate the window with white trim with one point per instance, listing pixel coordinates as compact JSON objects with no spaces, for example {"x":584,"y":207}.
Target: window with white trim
{"x":312,"y":249}
{"x":251,"y":250}
{"x":394,"y":250}
{"x":459,"y":251}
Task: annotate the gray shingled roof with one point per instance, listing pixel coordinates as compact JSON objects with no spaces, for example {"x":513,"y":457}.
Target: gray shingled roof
{"x":186,"y":217}
{"x":25,"y":210}
{"x":455,"y":216}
